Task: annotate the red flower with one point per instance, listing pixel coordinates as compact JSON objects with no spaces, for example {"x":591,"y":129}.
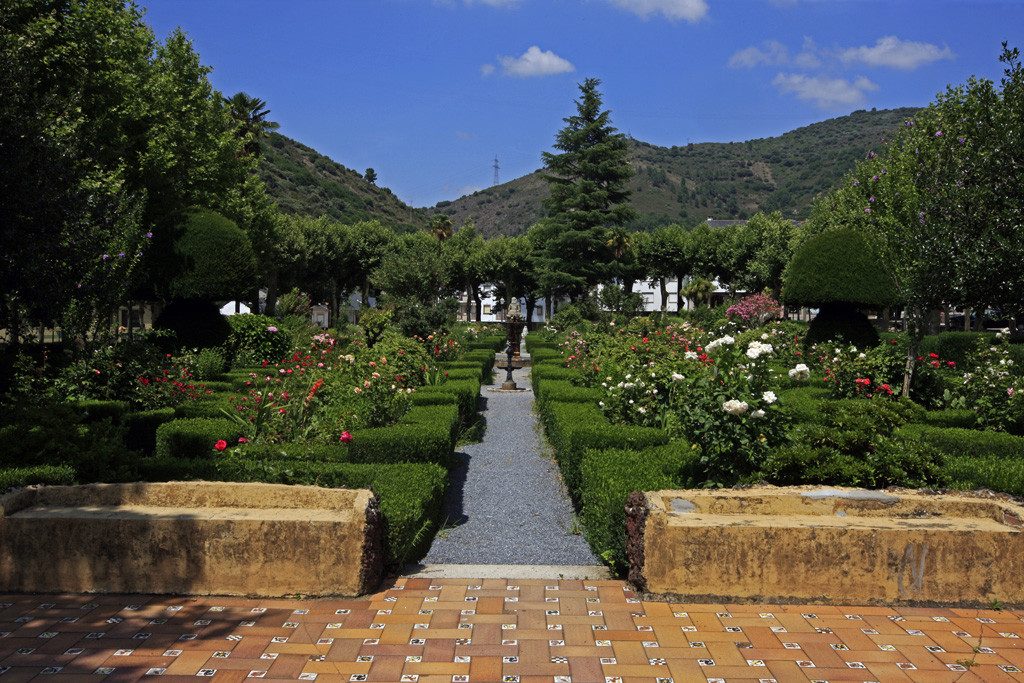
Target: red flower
{"x":221,"y":445}
{"x":346,"y":437}
{"x":242,"y":439}
{"x":951,"y":364}
{"x":934,"y":355}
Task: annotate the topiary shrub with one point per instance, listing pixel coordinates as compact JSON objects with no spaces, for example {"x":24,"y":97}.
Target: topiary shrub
{"x":841,"y":322}
{"x":196,"y":323}
{"x":838,"y":271}
{"x":199,"y":254}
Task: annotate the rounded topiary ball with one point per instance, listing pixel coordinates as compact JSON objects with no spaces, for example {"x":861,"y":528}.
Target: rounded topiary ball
{"x":200,"y":254}
{"x":197,"y":323}
{"x":838,"y":266}
{"x":840,"y":321}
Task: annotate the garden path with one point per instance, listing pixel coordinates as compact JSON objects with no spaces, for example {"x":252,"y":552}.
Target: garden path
{"x":506,"y":504}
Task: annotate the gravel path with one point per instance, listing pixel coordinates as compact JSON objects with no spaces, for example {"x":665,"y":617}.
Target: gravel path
{"x":506,"y":503}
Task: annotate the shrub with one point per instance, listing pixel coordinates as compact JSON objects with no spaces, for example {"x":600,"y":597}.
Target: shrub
{"x":196,"y":323}
{"x":209,"y":364}
{"x":563,"y":391}
{"x":967,"y":442}
{"x":199,"y":254}
{"x":295,"y":303}
{"x":838,"y":266}
{"x":466,"y":393}
{"x":255,"y":339}
{"x":34,"y":475}
{"x":573,"y":427}
{"x":195,"y":437}
{"x":140,"y":428}
{"x":609,"y":476}
{"x":964,"y":472}
{"x":98,"y":410}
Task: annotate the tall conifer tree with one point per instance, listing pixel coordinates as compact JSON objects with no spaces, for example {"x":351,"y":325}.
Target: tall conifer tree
{"x":588,"y":197}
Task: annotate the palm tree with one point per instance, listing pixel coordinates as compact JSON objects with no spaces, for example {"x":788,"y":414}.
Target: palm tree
{"x":441,"y":227}
{"x":250,"y":117}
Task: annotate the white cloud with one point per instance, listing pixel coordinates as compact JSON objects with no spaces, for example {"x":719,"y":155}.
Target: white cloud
{"x":808,"y":57}
{"x":534,"y":62}
{"x":463,"y":135}
{"x":486,"y":69}
{"x":773,"y":52}
{"x":689,"y":10}
{"x":898,"y":54}
{"x":824,"y":92}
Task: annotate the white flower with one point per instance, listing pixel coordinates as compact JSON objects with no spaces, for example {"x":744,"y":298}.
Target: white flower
{"x":769,"y":397}
{"x":629,"y":376}
{"x":727,"y":339}
{"x":676,"y":377}
{"x":601,"y":403}
{"x":757,"y":413}
{"x":801,"y":372}
{"x":691,"y":355}
{"x":756,"y":349}
{"x":642,"y":410}
{"x":764,"y":335}
{"x":862,"y":355}
{"x":734,"y":407}
{"x":628,"y":385}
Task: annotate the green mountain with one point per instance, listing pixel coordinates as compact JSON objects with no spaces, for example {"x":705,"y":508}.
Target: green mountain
{"x":706,"y":180}
{"x":304,"y":182}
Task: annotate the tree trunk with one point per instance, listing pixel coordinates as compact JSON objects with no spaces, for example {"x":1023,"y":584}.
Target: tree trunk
{"x":531,"y":302}
{"x":917,"y":321}
{"x":967,"y":320}
{"x":664,"y":295}
{"x":272,"y":285}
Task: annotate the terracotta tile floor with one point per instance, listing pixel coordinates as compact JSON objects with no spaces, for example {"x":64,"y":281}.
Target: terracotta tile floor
{"x":452,"y":630}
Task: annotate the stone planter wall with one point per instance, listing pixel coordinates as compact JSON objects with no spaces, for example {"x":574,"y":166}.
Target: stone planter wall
{"x":190,"y":538}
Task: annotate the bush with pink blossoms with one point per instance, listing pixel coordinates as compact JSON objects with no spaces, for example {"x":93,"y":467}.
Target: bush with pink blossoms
{"x":754,"y":310}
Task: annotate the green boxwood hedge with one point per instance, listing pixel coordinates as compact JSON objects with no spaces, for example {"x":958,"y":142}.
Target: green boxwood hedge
{"x":609,"y":476}
{"x":97,"y":410}
{"x":548,"y":370}
{"x":967,"y":442}
{"x":573,"y":428}
{"x":140,"y":434}
{"x":209,"y":406}
{"x":411,"y":494}
{"x":466,"y":393}
{"x":195,"y":437}
{"x":564,"y":391}
{"x":36,"y":474}
{"x":968,"y":473}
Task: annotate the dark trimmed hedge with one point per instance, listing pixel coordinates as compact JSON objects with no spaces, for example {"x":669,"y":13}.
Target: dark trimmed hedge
{"x":209,"y":406}
{"x":609,"y":476}
{"x":573,"y":428}
{"x":968,"y":442}
{"x":195,"y":437}
{"x":985,"y":472}
{"x":548,"y":370}
{"x":36,"y":474}
{"x":140,"y":434}
{"x":564,"y":391}
{"x":411,"y":494}
{"x":803,"y":404}
{"x":424,"y":434}
{"x":534,"y":342}
{"x":97,"y":410}
{"x":466,"y":393}
{"x":961,"y":419}
{"x":485,"y":359}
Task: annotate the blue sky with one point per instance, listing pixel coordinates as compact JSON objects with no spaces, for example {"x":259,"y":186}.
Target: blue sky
{"x":428,"y":92}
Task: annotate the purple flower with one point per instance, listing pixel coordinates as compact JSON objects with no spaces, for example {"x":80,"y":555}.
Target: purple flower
{"x":856,"y":183}
{"x":871,"y":199}
{"x":871,"y":155}
{"x":938,"y":133}
{"x":149,"y":234}
{"x":106,"y":256}
{"x":874,"y":177}
{"x":867,"y":210}
{"x":121,"y":255}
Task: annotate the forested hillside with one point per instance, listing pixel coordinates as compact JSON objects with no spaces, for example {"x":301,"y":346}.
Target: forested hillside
{"x":691,"y":183}
{"x":304,"y":182}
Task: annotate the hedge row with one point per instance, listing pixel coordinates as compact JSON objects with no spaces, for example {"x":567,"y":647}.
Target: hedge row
{"x":36,"y":474}
{"x":427,"y":433}
{"x":564,"y":391}
{"x":967,"y":442}
{"x":464,"y":393}
{"x":609,"y":476}
{"x":411,"y":495}
{"x":572,"y":428}
{"x":548,"y":370}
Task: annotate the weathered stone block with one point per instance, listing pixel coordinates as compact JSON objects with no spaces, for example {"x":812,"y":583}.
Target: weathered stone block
{"x":190,"y":538}
{"x":832,"y":545}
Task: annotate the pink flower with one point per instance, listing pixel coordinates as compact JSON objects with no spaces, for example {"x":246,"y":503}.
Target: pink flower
{"x":346,"y":437}
{"x":221,"y":445}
